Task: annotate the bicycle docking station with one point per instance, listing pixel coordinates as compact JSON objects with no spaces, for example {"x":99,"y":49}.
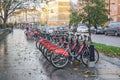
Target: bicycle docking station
{"x":91,"y":61}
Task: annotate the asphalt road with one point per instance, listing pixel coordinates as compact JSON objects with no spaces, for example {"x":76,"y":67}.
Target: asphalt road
{"x":21,"y":60}
{"x":108,"y":40}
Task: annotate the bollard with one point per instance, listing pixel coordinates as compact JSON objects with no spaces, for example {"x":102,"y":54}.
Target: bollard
{"x":91,"y":62}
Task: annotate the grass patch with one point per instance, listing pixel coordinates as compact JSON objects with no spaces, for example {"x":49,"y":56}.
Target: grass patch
{"x":108,"y":50}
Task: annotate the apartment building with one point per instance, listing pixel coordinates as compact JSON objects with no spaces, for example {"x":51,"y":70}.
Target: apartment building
{"x":114,"y":8}
{"x":54,"y":13}
{"x":59,"y":12}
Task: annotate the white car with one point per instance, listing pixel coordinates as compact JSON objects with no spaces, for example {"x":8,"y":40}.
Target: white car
{"x":50,"y":30}
{"x":82,"y":29}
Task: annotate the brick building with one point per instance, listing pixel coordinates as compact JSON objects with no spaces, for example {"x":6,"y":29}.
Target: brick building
{"x":59,"y":12}
{"x":112,"y":5}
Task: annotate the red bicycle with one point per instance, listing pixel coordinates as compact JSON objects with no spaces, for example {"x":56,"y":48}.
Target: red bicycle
{"x":60,"y":57}
{"x":32,"y":34}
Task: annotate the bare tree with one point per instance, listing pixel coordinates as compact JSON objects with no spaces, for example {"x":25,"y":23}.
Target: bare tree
{"x":8,"y":7}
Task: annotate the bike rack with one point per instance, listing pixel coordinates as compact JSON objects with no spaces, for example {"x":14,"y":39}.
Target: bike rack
{"x":91,"y":62}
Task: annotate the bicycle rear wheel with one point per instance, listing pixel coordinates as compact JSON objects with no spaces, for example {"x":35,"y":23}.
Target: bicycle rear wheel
{"x":85,"y":56}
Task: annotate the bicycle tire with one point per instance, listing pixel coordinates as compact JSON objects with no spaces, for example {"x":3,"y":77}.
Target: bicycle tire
{"x":48,"y":55}
{"x":85,"y":55}
{"x":37,"y":44}
{"x":42,"y":48}
{"x":40,"y":45}
{"x":60,"y":58}
{"x":44,"y":51}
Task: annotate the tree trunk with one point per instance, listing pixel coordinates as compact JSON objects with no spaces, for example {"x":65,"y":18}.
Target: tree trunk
{"x":90,"y":39}
{"x":4,"y":21}
{"x":5,"y":17}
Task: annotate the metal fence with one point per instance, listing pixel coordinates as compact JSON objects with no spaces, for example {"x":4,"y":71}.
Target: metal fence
{"x":4,"y":32}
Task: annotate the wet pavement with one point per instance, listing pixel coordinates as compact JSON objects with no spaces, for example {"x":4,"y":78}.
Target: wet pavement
{"x":20,"y":60}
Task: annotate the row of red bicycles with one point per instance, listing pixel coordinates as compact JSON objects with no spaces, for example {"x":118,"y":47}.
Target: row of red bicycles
{"x":61,"y":49}
{"x":32,"y":34}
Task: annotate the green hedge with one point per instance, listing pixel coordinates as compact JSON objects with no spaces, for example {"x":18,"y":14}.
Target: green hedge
{"x":3,"y":26}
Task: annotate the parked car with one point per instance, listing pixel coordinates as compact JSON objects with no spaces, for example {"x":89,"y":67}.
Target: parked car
{"x":50,"y":30}
{"x":113,"y":29}
{"x":61,"y":28}
{"x":97,"y":30}
{"x":82,"y":28}
{"x":74,"y":29}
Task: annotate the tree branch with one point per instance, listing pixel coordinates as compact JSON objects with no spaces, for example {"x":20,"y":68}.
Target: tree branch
{"x":14,"y":8}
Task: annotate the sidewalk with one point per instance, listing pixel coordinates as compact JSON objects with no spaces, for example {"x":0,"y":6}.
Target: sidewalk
{"x":20,"y":60}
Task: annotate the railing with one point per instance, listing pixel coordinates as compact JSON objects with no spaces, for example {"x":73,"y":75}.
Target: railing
{"x":1,"y":31}
{"x":4,"y":32}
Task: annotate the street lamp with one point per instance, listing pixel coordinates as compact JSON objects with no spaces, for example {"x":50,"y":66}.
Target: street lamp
{"x":26,"y":15}
{"x":109,"y":7}
{"x":109,"y":12}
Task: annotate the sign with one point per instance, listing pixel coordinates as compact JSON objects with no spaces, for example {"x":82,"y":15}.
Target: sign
{"x":43,"y":23}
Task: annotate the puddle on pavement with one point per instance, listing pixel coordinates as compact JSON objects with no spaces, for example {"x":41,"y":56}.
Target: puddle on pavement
{"x":71,"y":72}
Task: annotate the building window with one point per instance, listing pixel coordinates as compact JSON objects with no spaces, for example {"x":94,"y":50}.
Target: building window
{"x":115,"y":19}
{"x":115,"y":8}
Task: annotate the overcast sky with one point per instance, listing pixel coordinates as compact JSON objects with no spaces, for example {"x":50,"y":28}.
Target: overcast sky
{"x":75,"y":1}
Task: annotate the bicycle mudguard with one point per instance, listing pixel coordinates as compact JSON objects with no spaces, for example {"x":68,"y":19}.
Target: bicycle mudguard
{"x":40,"y":40}
{"x":36,"y":32}
{"x":45,"y":43}
{"x":61,"y":51}
{"x":51,"y":48}
{"x":48,"y":45}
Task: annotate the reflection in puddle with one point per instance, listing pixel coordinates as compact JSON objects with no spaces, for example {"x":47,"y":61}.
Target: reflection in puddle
{"x":5,"y":48}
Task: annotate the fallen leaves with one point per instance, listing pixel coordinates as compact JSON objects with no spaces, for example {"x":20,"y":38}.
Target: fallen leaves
{"x":75,"y":69}
{"x":86,"y":73}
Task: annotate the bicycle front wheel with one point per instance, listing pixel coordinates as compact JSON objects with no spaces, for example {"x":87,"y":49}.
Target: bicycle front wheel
{"x":48,"y":55}
{"x":59,"y":61}
{"x":37,"y":44}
